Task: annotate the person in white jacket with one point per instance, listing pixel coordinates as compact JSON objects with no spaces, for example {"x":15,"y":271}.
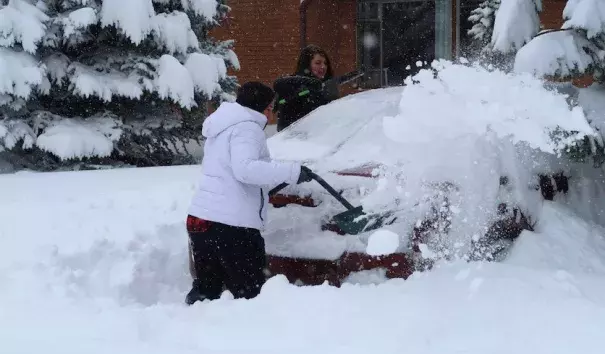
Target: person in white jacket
{"x":229,"y":208}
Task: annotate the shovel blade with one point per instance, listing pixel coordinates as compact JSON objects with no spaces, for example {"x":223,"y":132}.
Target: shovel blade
{"x":355,"y":221}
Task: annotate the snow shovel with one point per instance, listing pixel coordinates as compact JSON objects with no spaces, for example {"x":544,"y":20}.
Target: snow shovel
{"x":354,"y":220}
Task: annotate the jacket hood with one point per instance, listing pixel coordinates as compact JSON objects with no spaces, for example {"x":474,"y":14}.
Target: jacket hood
{"x":229,"y":114}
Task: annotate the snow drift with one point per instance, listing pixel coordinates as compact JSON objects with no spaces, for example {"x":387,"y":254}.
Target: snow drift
{"x":96,"y":261}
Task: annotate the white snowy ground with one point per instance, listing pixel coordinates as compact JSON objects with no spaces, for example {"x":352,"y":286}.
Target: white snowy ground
{"x":95,"y":262}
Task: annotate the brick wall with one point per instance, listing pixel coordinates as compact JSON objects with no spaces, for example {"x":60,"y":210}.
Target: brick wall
{"x":551,"y":16}
{"x":266,"y":35}
{"x":332,"y":25}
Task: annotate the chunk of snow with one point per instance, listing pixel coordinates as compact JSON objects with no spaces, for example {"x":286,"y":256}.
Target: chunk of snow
{"x":19,"y":73}
{"x":588,"y":15}
{"x":86,"y":81}
{"x":516,"y":23}
{"x":57,"y":66}
{"x":559,"y":53}
{"x":365,"y":277}
{"x":13,"y":131}
{"x":134,"y":17}
{"x":174,"y":81}
{"x":205,"y":8}
{"x":426,"y":252}
{"x":78,"y":19}
{"x":204,"y":72}
{"x":459,"y":114}
{"x":232,"y":58}
{"x":591,"y":100}
{"x":382,"y":242}
{"x":21,"y":22}
{"x":173,"y":32}
{"x":76,"y":138}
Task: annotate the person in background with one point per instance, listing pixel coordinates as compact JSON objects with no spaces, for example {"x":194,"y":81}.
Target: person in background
{"x":298,"y":96}
{"x":229,"y":208}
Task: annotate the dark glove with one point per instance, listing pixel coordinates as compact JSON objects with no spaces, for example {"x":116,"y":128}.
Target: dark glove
{"x":305,"y":175}
{"x":329,"y":89}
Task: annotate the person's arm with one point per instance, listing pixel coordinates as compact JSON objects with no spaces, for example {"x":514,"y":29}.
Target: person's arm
{"x":246,"y":142}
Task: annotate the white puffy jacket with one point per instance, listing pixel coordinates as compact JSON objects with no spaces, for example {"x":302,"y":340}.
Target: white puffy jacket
{"x":237,"y":171}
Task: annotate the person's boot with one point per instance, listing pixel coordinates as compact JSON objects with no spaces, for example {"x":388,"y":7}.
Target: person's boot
{"x":194,"y":294}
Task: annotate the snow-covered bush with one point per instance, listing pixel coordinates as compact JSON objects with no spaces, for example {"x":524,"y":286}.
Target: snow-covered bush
{"x":108,"y":81}
{"x":502,"y":27}
{"x":576,"y":49}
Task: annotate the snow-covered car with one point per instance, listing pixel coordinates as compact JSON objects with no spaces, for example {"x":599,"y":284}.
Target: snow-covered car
{"x":456,"y":155}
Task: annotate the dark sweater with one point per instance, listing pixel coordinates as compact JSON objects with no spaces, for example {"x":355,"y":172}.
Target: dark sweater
{"x":297,"y":96}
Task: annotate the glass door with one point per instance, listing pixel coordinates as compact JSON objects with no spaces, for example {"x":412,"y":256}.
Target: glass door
{"x":369,"y":42}
{"x":408,"y":39}
{"x":392,"y":38}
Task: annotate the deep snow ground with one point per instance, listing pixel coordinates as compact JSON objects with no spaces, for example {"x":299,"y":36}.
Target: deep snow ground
{"x":95,"y":262}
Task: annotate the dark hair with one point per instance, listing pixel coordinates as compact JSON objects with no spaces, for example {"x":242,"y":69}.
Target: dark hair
{"x":303,"y":66}
{"x":255,"y":95}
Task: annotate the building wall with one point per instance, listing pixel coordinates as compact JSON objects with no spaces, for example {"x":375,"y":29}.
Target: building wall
{"x":332,"y":25}
{"x":266,"y":35}
{"x":267,"y":38}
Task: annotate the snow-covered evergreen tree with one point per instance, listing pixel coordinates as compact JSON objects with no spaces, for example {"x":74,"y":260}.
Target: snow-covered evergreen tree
{"x":483,"y":19}
{"x":108,"y":81}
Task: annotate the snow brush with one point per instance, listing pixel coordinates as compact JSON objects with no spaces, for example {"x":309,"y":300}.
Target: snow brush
{"x":353,"y":221}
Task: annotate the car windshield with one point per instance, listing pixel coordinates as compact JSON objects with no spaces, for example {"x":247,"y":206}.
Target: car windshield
{"x":350,"y":123}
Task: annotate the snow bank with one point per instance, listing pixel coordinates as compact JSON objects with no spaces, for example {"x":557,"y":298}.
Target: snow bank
{"x":562,"y":241}
{"x":105,"y":262}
